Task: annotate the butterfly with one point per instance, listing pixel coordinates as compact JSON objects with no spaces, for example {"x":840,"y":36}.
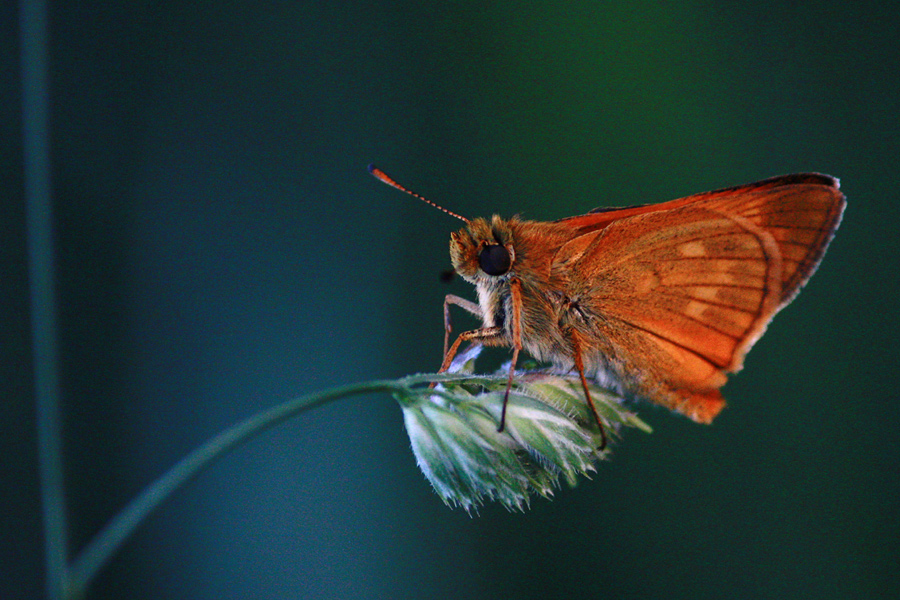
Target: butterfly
{"x":658,"y":301}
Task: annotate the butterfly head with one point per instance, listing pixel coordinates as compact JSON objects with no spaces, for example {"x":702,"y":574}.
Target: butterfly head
{"x":482,"y":250}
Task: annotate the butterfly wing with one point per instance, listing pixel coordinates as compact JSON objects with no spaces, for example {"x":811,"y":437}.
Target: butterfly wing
{"x":677,"y":293}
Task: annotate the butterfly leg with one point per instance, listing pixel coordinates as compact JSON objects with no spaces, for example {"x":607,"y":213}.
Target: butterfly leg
{"x":579,"y":366}
{"x":466,"y":305}
{"x":515,"y":288}
{"x":490,"y":336}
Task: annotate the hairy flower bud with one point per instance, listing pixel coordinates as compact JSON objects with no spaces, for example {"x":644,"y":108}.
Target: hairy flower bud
{"x":549,"y":432}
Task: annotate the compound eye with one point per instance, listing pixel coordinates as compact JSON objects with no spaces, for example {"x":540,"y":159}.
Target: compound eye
{"x":494,"y":260}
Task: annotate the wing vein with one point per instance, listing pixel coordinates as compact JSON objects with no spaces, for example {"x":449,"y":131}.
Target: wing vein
{"x":709,"y":302}
{"x":675,"y":343}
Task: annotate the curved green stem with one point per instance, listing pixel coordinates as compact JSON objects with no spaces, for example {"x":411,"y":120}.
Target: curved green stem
{"x":99,"y":550}
{"x":104,"y":545}
{"x":38,"y":195}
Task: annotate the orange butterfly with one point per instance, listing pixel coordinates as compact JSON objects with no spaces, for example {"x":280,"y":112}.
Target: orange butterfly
{"x":658,"y":301}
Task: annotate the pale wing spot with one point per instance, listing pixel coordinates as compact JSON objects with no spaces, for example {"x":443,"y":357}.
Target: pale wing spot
{"x":692,"y":249}
{"x":743,"y":268}
{"x":705,"y":292}
{"x":645,"y":284}
{"x":744,"y":299}
{"x":695,"y":309}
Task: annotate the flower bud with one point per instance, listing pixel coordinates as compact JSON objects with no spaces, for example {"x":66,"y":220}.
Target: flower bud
{"x":549,"y":431}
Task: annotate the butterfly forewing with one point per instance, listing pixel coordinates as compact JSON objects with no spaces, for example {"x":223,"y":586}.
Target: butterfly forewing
{"x":682,"y":290}
{"x":700,"y":284}
{"x":801,"y":218}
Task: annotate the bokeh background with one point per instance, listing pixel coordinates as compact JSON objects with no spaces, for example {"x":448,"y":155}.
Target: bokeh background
{"x":221,"y":248}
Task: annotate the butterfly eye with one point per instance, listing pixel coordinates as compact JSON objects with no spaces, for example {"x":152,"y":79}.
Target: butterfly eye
{"x":494,"y":260}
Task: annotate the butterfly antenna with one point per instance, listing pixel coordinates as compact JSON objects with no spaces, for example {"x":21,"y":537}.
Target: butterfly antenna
{"x":379,"y":174}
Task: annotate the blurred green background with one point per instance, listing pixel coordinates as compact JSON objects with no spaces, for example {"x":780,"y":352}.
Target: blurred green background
{"x":221,"y":248}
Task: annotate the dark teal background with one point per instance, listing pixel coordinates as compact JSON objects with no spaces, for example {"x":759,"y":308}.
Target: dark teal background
{"x":221,"y":248}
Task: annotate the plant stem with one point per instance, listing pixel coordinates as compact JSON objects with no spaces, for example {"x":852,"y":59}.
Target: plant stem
{"x":99,"y":550}
{"x":39,"y":226}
